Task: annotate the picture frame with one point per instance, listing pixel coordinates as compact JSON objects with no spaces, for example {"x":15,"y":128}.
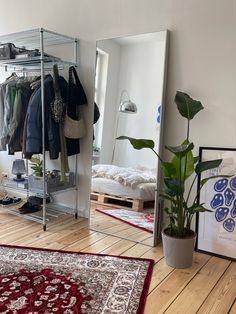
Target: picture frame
{"x":216,"y":230}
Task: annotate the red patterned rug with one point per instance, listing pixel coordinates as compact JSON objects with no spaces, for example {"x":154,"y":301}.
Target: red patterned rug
{"x":143,"y":221}
{"x":41,"y":281}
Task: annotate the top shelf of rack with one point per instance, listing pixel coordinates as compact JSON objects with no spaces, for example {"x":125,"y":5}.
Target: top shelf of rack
{"x":33,"y":63}
{"x":31,"y":39}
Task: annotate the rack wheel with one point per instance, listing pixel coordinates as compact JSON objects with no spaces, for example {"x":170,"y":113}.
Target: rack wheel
{"x":76,"y":216}
{"x":44,"y":227}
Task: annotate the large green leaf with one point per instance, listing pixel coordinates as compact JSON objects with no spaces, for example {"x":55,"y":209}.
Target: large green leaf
{"x":187,"y":106}
{"x":207,"y":165}
{"x":184,"y":167}
{"x":183,"y":162}
{"x":169,"y":169}
{"x":138,"y":143}
{"x":198,"y":208}
{"x":166,"y":210}
{"x":169,"y":192}
{"x":169,"y":198}
{"x":204,"y":181}
{"x":175,"y":210}
{"x":180,"y":150}
{"x":175,"y":186}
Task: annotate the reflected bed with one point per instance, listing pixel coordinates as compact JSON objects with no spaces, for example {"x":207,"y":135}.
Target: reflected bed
{"x":134,"y":186}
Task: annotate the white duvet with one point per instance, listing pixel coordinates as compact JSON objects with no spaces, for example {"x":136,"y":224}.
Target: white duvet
{"x":126,"y":176}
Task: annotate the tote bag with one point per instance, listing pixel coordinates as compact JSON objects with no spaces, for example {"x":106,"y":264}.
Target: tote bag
{"x":74,"y":126}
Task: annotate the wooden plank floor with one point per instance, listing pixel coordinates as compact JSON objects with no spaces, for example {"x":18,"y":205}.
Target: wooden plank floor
{"x":209,"y":286}
{"x":111,"y":226}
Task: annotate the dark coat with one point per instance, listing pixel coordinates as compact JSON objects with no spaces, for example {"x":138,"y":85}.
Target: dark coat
{"x":34,"y":121}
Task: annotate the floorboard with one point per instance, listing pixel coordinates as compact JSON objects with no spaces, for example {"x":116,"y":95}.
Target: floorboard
{"x":223,"y":293}
{"x":209,"y":286}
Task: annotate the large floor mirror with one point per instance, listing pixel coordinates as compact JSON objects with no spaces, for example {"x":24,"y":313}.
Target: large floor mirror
{"x":129,"y":100}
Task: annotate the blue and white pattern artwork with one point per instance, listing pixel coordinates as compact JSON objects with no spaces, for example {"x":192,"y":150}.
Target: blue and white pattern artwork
{"x":224,"y":203}
{"x":217,"y":229}
{"x":159,"y":114}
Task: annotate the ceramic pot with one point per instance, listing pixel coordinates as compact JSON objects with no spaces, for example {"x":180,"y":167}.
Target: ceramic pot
{"x":178,"y":252}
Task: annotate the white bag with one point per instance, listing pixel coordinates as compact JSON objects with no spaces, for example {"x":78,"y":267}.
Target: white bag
{"x":74,"y":129}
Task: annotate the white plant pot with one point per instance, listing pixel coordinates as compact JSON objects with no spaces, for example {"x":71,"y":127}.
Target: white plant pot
{"x":178,"y":252}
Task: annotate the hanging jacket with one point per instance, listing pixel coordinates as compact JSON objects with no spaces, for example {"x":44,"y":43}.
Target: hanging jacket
{"x":33,"y":130}
{"x":23,"y":94}
{"x":6,"y":109}
{"x":2,"y":93}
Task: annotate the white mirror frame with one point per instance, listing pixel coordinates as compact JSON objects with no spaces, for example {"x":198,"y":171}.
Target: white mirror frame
{"x":158,"y":206}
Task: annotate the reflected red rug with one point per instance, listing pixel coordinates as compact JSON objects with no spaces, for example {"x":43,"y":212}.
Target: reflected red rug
{"x":41,"y":281}
{"x":143,"y":221}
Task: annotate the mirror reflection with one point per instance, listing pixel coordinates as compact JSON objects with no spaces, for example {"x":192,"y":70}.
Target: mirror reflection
{"x":128,"y":101}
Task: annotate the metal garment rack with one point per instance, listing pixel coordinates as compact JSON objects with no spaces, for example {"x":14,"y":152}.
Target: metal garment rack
{"x":39,"y":39}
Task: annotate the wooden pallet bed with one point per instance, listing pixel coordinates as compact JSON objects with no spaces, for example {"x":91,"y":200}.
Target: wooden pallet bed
{"x":118,"y":201}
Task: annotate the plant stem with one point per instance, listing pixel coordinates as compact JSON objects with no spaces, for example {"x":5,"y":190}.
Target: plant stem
{"x":197,"y":194}
{"x":188,"y":224}
{"x":190,"y":189}
{"x":157,"y":155}
{"x":185,"y":166}
{"x":188,"y":127}
{"x":180,"y":209}
{"x":186,"y":157}
{"x":184,"y":178}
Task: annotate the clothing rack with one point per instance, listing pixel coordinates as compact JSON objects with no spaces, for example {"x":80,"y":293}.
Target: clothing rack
{"x":39,"y":39}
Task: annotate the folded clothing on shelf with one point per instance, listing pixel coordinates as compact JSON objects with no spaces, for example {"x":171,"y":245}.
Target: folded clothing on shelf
{"x":10,"y":51}
{"x":28,"y":208}
{"x":6,"y":201}
{"x":35,"y":200}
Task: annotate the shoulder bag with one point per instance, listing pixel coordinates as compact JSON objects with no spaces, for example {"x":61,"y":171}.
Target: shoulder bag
{"x":74,"y":126}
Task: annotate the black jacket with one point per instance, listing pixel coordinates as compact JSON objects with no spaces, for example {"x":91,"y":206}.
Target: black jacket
{"x":34,"y":121}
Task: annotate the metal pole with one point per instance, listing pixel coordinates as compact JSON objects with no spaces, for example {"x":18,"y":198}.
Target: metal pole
{"x":43,"y":128}
{"x":27,"y":174}
{"x":76,"y":52}
{"x":76,"y":156}
{"x":114,"y":144}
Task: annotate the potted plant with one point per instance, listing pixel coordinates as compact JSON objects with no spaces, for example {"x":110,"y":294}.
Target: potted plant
{"x":178,"y":237}
{"x":37,"y":166}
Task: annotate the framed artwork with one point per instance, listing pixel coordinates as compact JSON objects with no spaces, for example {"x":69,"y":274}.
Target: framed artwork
{"x":217,"y":229}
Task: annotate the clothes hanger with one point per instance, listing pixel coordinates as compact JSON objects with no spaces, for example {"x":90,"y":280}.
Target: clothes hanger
{"x":13,"y":74}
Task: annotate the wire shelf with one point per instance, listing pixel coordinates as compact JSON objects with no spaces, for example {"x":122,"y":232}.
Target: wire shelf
{"x":31,"y":39}
{"x":34,"y":63}
{"x":12,"y":186}
{"x":40,"y":39}
{"x":38,"y":216}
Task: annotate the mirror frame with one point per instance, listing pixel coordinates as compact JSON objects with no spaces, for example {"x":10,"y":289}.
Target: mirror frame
{"x":158,"y":204}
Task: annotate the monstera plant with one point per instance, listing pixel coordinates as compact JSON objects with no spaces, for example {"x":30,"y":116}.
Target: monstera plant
{"x":180,"y":193}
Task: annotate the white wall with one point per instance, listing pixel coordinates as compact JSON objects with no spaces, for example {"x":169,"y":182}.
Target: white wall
{"x":201,"y":60}
{"x":141,"y":74}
